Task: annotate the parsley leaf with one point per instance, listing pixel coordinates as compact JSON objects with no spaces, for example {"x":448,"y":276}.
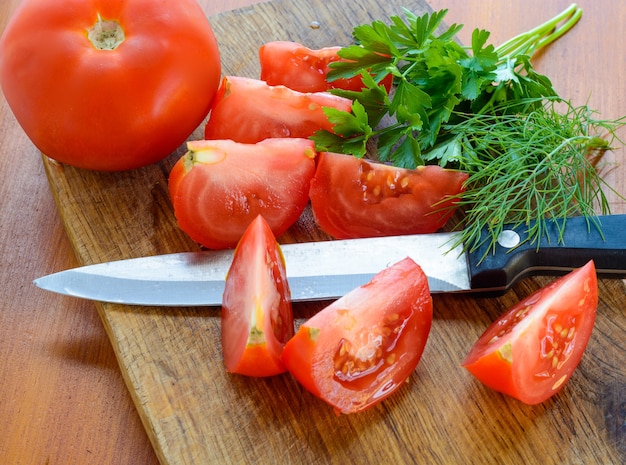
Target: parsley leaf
{"x":352,"y":130}
{"x":479,"y":69}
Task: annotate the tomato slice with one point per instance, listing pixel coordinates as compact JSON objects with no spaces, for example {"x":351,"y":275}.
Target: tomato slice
{"x":248,"y":110}
{"x":531,"y":351}
{"x":218,"y":187}
{"x":362,"y":348}
{"x":353,"y":197}
{"x":304,"y":69}
{"x":257,"y":317}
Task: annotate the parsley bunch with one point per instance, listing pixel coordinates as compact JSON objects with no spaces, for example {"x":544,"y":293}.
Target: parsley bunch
{"x":481,"y":109}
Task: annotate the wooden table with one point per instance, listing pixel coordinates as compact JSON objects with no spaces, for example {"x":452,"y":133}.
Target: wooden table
{"x":62,"y":398}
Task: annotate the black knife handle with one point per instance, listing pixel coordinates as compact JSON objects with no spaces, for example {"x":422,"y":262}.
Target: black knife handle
{"x":495,"y":271}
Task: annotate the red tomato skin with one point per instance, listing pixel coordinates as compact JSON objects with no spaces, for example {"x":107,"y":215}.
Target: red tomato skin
{"x":393,"y":311}
{"x":304,"y":69}
{"x":248,"y":111}
{"x":299,"y":357}
{"x":214,"y":202}
{"x":109,"y":110}
{"x":521,"y":363}
{"x":257,"y":316}
{"x":353,"y":197}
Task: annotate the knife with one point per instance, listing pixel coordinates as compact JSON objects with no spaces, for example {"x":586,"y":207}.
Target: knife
{"x":330,"y":269}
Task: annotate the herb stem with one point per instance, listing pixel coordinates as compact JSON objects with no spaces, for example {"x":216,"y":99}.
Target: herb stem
{"x":530,"y":42}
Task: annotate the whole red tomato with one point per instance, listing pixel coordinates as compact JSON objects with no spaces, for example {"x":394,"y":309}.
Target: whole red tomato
{"x":109,"y":84}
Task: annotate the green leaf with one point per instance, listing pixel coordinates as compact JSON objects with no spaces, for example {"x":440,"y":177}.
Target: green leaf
{"x":326,"y":141}
{"x":351,"y":131}
{"x":447,"y":153}
{"x":409,"y":104}
{"x":424,"y":27}
{"x":407,"y":154}
{"x":348,"y":124}
{"x":373,"y":98}
{"x":374,"y":37}
{"x":388,"y":138}
{"x":479,"y":70}
{"x":357,"y":60}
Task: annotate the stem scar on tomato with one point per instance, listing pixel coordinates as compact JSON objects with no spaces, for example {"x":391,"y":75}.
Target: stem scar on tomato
{"x":106,"y":34}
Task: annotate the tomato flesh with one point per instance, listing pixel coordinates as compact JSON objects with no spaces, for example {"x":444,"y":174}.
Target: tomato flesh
{"x":352,"y":197}
{"x":248,"y":110}
{"x":362,"y":348}
{"x":304,"y":69}
{"x":109,"y":109}
{"x":257,"y":317}
{"x":532,"y":350}
{"x":219,"y":187}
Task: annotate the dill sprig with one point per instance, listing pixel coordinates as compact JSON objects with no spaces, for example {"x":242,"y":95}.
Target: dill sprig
{"x":527,"y":171}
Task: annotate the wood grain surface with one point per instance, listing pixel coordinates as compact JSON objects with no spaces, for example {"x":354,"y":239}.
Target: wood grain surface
{"x":77,"y":411}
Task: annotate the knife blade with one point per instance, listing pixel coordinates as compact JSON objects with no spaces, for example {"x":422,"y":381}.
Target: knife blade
{"x":330,"y":269}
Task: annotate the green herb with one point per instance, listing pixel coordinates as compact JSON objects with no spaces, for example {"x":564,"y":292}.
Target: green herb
{"x":481,"y":109}
{"x":524,"y":171}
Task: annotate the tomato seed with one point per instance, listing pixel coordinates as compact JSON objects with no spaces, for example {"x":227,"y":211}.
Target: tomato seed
{"x":342,"y":350}
{"x":560,"y":381}
{"x":347,"y":367}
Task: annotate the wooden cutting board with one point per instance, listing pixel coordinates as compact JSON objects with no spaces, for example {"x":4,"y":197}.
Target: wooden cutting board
{"x":196,"y":413}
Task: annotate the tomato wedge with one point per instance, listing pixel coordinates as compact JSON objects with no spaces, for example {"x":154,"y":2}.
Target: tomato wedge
{"x":218,"y":187}
{"x":304,"y":69}
{"x":257,"y":317}
{"x":248,"y":110}
{"x":362,"y":348}
{"x":353,"y":197}
{"x":531,"y":351}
